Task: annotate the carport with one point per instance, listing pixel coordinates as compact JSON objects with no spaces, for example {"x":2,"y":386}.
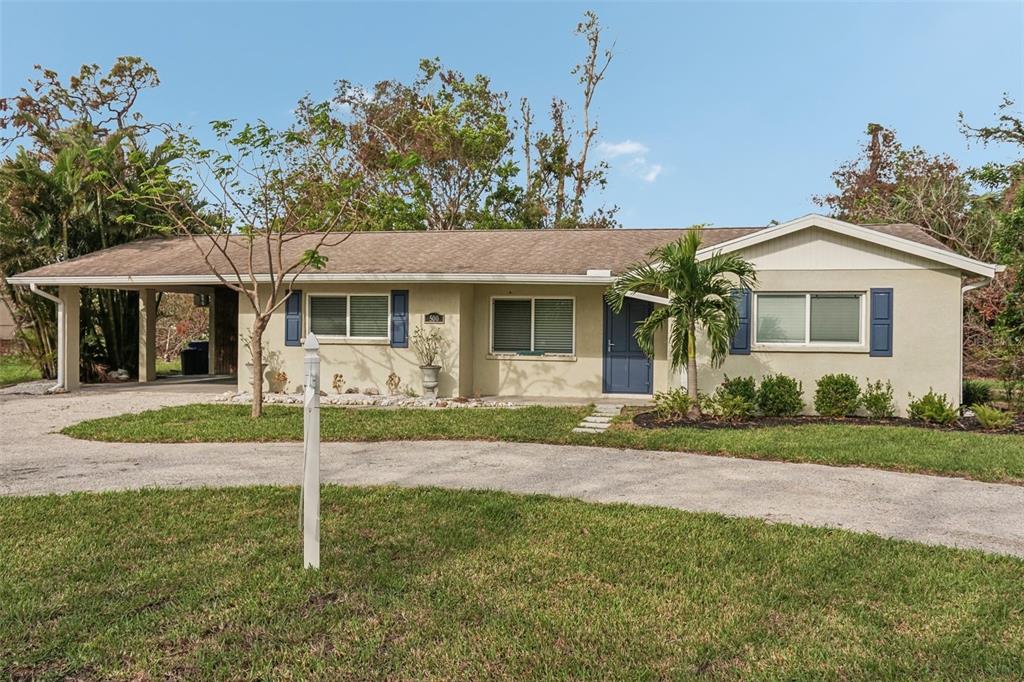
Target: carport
{"x":223,"y":326}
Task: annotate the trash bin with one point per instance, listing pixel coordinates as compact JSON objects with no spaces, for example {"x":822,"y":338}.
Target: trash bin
{"x":195,"y":358}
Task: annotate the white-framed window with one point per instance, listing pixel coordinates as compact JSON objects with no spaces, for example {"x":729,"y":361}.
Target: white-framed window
{"x":539,"y":325}
{"x":809,"y":319}
{"x":349,"y":316}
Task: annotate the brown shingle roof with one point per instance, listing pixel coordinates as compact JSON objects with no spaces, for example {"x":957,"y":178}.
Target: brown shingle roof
{"x":508,"y":252}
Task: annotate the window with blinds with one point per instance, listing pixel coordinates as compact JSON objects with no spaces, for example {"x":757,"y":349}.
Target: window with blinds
{"x":835,"y":318}
{"x":808,"y":318}
{"x":368,"y":316}
{"x":512,"y":330}
{"x":358,"y":316}
{"x":780,"y":319}
{"x":552,"y":325}
{"x":328,"y":315}
{"x":532,"y":326}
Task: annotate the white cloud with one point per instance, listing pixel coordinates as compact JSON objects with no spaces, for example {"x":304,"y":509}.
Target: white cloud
{"x":653,"y":171}
{"x":636,"y":162}
{"x":624,"y":148}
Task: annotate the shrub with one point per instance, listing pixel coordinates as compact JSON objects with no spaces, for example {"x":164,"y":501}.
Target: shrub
{"x":740,"y":387}
{"x":837,"y":395}
{"x":672,"y":404}
{"x":780,"y":396}
{"x":976,"y":393}
{"x":991,"y":417}
{"x":932,"y":407}
{"x":877,"y":400}
{"x":727,"y":407}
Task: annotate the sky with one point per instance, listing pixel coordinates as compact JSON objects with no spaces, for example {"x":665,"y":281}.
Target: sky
{"x":724,"y":113}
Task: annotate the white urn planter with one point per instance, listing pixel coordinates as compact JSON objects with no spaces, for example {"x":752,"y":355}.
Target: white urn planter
{"x":431,"y":378}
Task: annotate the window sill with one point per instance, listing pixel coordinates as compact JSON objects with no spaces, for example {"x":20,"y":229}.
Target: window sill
{"x":534,"y":358}
{"x":862,"y":350}
{"x":348,"y":341}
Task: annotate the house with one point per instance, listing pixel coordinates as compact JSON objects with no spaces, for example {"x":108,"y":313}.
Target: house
{"x":524,"y":315}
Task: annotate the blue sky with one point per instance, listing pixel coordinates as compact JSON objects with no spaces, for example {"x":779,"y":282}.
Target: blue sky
{"x":726,"y":113}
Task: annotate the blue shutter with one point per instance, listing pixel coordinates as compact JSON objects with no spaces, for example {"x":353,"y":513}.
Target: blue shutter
{"x":399,"y":319}
{"x":881,"y":323}
{"x":293,"y":319}
{"x":741,"y":340}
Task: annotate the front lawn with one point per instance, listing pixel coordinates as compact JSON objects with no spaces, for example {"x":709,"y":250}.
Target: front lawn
{"x":425,"y":583}
{"x":975,"y":455}
{"x":15,"y":369}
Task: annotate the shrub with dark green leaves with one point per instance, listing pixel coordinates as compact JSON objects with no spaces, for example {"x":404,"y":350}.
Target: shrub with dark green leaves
{"x":976,"y":393}
{"x":780,"y":396}
{"x":932,"y":407}
{"x":727,"y":407}
{"x":672,"y":404}
{"x":740,"y":387}
{"x":992,"y":417}
{"x":876,"y":398}
{"x":837,"y":395}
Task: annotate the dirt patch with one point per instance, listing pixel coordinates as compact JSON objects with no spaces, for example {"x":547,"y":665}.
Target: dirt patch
{"x":650,"y":420}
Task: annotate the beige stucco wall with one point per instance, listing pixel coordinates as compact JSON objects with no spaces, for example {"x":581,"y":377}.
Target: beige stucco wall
{"x":469,"y":368}
{"x":926,"y":317}
{"x":579,"y":376}
{"x":365,"y":364}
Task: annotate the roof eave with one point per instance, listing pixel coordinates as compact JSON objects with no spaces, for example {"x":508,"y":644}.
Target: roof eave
{"x":142,"y":281}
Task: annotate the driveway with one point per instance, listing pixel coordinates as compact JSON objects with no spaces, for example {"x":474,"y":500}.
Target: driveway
{"x":928,"y":509}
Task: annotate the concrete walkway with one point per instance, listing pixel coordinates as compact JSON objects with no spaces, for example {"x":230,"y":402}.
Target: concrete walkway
{"x":927,"y":509}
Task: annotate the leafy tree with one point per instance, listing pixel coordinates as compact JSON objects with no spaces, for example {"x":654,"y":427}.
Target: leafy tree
{"x":272,"y":200}
{"x":1006,"y":182}
{"x":700,"y":296}
{"x":430,"y":152}
{"x":890,"y":184}
{"x":54,"y":206}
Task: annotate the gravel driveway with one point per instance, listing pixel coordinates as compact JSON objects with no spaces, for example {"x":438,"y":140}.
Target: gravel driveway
{"x":928,"y":509}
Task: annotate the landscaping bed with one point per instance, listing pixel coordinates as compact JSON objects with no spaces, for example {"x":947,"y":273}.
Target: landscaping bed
{"x":651,"y":420}
{"x":435,"y":584}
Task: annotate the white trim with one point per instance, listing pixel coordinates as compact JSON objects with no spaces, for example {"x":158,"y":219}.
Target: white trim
{"x":659,"y":300}
{"x":130,"y":281}
{"x":347,"y":338}
{"x":860,"y":345}
{"x":864,"y":233}
{"x":504,"y":355}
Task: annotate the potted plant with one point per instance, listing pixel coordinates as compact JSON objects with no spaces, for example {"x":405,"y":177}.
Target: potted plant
{"x":428,"y":347}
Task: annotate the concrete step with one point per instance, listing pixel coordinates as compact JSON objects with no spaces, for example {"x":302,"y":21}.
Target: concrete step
{"x":586,"y":429}
{"x":597,"y":419}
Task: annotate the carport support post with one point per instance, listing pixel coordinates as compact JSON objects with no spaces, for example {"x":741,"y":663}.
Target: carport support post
{"x":69,"y":351}
{"x":147,"y":335}
{"x":311,"y":463}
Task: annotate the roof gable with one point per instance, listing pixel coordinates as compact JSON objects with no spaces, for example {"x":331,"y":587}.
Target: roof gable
{"x":908,"y":239}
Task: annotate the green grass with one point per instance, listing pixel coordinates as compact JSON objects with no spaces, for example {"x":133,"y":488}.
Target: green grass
{"x":425,"y":583}
{"x":167,"y":367}
{"x":974,"y":455}
{"x":15,"y":369}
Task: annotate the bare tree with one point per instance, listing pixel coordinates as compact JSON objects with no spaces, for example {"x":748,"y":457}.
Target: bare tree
{"x":273,"y":200}
{"x":590,"y":73}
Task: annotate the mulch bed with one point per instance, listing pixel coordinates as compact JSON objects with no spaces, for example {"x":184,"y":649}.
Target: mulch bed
{"x":650,"y":420}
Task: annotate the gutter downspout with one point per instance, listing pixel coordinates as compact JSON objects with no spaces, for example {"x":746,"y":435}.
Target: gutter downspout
{"x":963,"y":291}
{"x":61,"y":333}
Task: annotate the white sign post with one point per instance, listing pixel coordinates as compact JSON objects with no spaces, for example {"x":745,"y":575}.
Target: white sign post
{"x":311,"y":462}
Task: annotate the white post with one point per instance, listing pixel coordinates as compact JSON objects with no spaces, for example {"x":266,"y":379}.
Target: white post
{"x":311,"y":465}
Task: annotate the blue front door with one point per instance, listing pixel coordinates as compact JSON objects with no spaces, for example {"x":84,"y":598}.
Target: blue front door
{"x":626,"y":368}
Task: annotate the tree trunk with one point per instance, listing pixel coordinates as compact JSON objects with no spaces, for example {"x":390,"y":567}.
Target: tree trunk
{"x":256,"y":348}
{"x":691,"y":370}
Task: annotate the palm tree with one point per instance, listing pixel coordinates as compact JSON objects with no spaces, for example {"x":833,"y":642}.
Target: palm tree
{"x":699,"y":294}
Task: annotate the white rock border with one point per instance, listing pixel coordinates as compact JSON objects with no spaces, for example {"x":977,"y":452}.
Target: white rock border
{"x":367,"y":400}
